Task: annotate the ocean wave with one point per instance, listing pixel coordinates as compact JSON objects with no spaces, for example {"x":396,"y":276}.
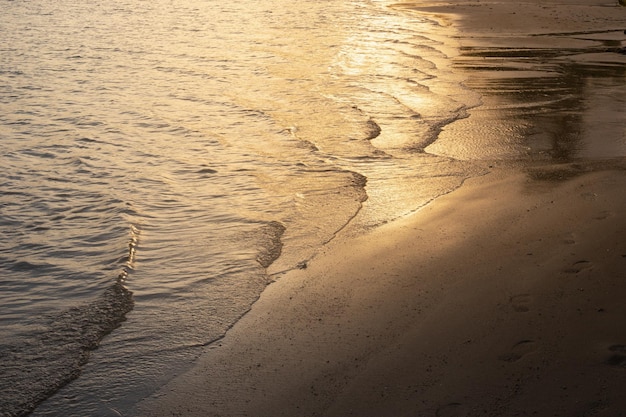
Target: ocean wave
{"x":36,"y":366}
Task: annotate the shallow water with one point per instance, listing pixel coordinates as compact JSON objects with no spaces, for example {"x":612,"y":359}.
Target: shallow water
{"x":173,"y":150}
{"x":162,"y":162}
{"x":545,"y":98}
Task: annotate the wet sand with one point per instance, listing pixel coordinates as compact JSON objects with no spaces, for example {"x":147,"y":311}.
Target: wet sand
{"x":502,"y":298}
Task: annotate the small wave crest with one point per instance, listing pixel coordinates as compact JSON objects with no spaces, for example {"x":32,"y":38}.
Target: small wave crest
{"x":38,"y":366}
{"x":38,"y":363}
{"x":272,"y":244}
{"x":132,"y":250}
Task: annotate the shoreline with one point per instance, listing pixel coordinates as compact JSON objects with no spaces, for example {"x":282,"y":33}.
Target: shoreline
{"x":500,"y":298}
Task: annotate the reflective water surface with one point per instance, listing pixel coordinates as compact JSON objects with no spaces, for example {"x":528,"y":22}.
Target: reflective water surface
{"x":163,"y":161}
{"x":547,"y":98}
{"x":174,"y":150}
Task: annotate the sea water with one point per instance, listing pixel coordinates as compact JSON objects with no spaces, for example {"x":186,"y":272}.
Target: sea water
{"x":158,"y":157}
{"x":163,"y":161}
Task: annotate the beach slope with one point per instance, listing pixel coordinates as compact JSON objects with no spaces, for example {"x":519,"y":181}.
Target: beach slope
{"x":502,"y":298}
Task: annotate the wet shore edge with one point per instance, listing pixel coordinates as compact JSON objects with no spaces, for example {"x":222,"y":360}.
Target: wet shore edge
{"x":504,"y":297}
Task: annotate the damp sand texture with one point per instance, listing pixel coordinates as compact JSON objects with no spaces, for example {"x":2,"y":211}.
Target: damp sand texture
{"x":501,"y":298}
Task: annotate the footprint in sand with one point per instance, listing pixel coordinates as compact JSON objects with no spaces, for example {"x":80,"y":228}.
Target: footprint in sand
{"x":595,"y":408}
{"x":521,"y":302}
{"x":604,"y":215}
{"x":578,"y":266}
{"x":569,"y":239}
{"x":450,"y":410}
{"x":617,"y":357}
{"x":518,"y":351}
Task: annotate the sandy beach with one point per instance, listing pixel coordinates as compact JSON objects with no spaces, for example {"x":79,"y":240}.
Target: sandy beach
{"x":502,"y":298}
